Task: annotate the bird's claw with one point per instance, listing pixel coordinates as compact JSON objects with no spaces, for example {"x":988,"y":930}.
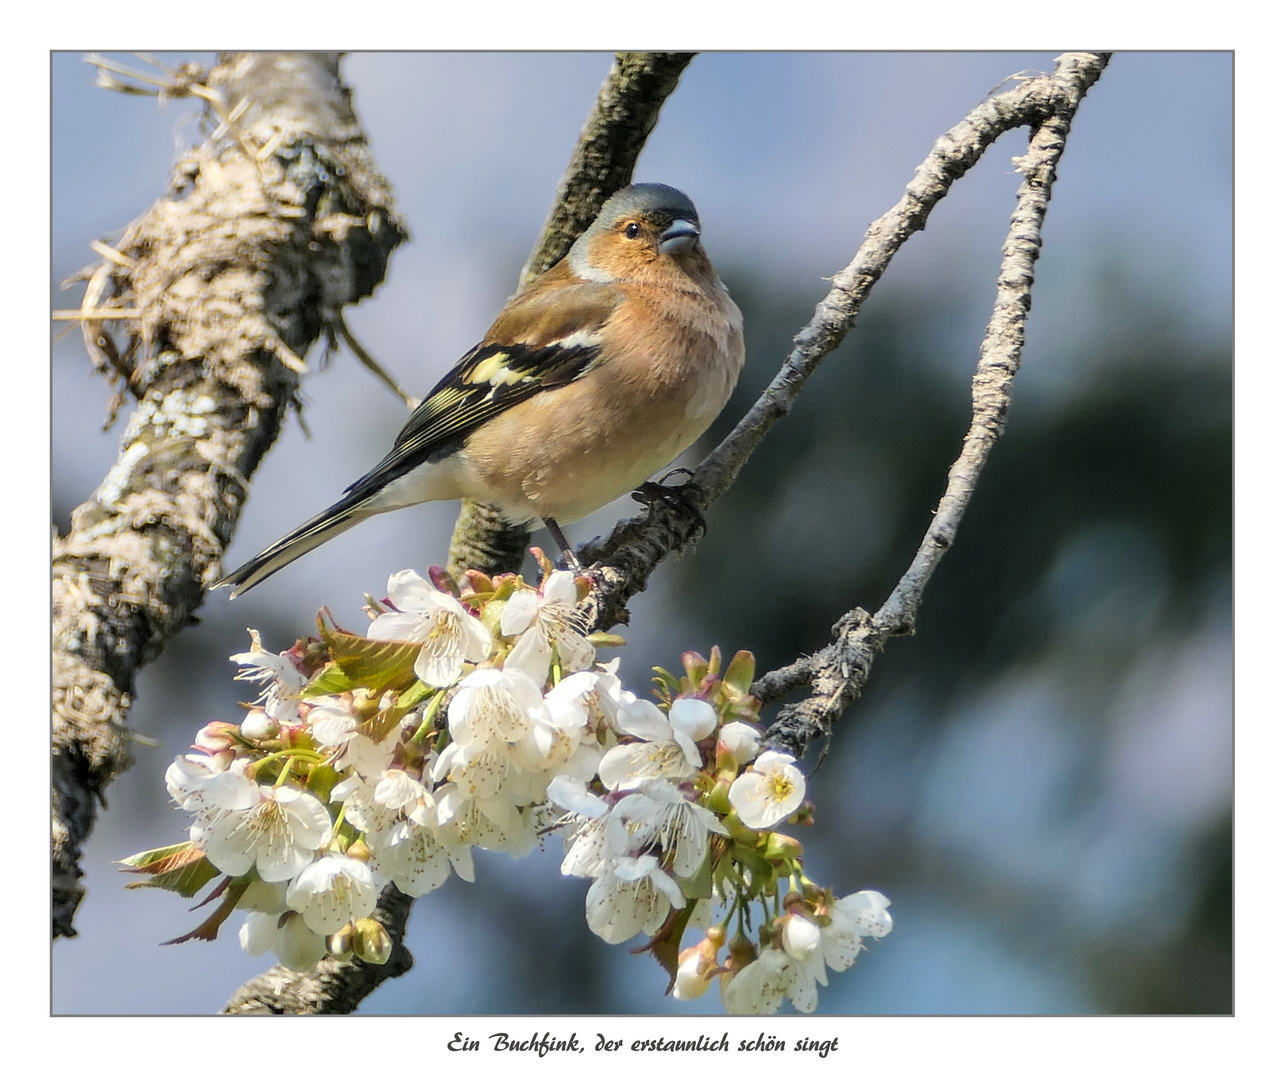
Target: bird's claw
{"x":681,"y":497}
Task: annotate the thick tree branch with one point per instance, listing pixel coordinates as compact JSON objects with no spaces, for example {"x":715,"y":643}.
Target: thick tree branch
{"x":333,"y":986}
{"x":625,"y":560}
{"x":603,"y":161}
{"x":269,"y":228}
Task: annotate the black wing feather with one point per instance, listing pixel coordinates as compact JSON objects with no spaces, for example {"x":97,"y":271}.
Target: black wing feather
{"x":489,"y":380}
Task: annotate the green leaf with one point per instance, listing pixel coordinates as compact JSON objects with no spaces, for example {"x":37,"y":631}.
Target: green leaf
{"x":378,"y":665}
{"x":740,"y":672}
{"x":145,"y":859}
{"x":179,"y":868}
{"x":418,"y":691}
{"x":330,"y":680}
{"x":700,"y":886}
{"x":669,"y":938}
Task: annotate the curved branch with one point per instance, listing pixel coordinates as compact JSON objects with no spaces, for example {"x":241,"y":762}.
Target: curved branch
{"x":838,"y":672}
{"x":269,"y":228}
{"x":625,"y":560}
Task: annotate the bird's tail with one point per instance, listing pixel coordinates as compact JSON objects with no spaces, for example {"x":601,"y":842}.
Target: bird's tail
{"x":329,"y":523}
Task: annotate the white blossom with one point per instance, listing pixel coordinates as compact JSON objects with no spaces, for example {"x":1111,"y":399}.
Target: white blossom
{"x":493,"y":706}
{"x":657,"y":812}
{"x":801,"y":941}
{"x":334,"y":725}
{"x":631,"y":895}
{"x":186,"y":778}
{"x":769,"y":791}
{"x":401,"y":793}
{"x":857,"y":915}
{"x":759,"y":987}
{"x":588,"y":849}
{"x":258,"y":724}
{"x":542,"y":620}
{"x":284,"y":681}
{"x":741,"y":740}
{"x":573,"y":794}
{"x":477,"y":771}
{"x":276,"y":830}
{"x":662,"y":751}
{"x":259,"y":931}
{"x":295,"y":945}
{"x":495,"y":824}
{"x":449,"y":636}
{"x":692,"y":719}
{"x":332,"y":892}
{"x":413,"y":859}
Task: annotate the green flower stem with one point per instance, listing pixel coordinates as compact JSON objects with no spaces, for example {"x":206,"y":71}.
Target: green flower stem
{"x":430,"y":714}
{"x":310,"y":756}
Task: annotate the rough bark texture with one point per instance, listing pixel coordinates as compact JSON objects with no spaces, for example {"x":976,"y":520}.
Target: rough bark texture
{"x":274,"y":223}
{"x":333,"y":986}
{"x":603,"y":161}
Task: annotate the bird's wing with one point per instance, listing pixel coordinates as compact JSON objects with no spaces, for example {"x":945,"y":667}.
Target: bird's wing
{"x":544,"y":338}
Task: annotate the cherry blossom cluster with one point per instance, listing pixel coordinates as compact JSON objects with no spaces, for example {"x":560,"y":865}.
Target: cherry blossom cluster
{"x":474,"y":714}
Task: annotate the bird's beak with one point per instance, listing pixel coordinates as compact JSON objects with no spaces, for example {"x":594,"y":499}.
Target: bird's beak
{"x":679,"y":238}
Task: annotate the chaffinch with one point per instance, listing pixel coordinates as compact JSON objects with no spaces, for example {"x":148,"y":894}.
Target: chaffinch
{"x":594,"y":376}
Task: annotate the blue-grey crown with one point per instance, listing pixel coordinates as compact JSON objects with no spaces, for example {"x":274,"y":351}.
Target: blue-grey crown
{"x":649,"y":199}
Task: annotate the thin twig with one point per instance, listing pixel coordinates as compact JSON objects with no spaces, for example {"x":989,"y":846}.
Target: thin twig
{"x":340,"y":325}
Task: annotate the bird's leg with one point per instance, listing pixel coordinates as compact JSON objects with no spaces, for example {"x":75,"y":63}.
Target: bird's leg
{"x":573,"y":564}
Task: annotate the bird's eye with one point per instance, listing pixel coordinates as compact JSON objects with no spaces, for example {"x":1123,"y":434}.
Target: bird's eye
{"x":632,"y":230}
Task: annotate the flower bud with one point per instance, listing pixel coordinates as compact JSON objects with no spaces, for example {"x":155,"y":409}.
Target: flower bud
{"x":698,"y":965}
{"x":690,"y":981}
{"x":340,"y":943}
{"x":216,"y":737}
{"x":779,"y":847}
{"x":296,"y":946}
{"x":258,"y":725}
{"x":742,"y":742}
{"x":371,"y":942}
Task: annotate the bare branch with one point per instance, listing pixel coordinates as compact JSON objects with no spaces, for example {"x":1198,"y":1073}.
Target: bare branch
{"x":269,"y":228}
{"x":838,"y":672}
{"x":625,"y":560}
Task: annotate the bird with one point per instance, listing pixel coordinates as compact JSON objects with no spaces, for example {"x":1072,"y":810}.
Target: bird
{"x":593,"y":377}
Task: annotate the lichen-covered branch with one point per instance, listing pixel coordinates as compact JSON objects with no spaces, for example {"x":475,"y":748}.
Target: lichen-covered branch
{"x":603,"y":161}
{"x":625,"y":559}
{"x":836,"y":674}
{"x":268,"y":229}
